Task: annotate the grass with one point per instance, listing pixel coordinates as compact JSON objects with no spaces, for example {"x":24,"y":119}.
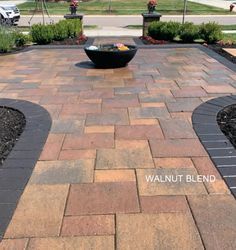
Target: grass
{"x":228,"y":27}
{"x":128,"y":7}
{"x":229,"y":38}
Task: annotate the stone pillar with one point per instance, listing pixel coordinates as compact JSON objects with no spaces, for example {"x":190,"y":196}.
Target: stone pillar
{"x":148,"y":18}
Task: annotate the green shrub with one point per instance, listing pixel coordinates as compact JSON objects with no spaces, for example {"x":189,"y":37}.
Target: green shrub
{"x":154,"y":30}
{"x":60,"y":31}
{"x":21,"y":39}
{"x":42,"y":34}
{"x":170,"y":30}
{"x":211,"y":32}
{"x":189,"y":32}
{"x":74,"y":28}
{"x":163,"y":30}
{"x":7,"y":39}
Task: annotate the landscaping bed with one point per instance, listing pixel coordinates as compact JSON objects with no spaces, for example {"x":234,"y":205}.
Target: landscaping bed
{"x":227,"y":122}
{"x":65,"y":32}
{"x":218,"y":48}
{"x":207,"y":34}
{"x":12,"y":123}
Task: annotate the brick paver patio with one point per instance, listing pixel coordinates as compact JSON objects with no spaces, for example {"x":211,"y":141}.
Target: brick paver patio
{"x":110,"y":129}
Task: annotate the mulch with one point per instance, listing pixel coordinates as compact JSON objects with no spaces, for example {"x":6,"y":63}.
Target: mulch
{"x":227,"y":122}
{"x":12,"y":124}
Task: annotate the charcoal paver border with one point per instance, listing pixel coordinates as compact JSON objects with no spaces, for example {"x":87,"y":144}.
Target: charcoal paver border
{"x":217,"y":145}
{"x":17,"y":168}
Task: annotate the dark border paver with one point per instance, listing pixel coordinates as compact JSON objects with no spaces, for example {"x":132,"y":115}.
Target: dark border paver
{"x":219,"y":148}
{"x":17,"y":168}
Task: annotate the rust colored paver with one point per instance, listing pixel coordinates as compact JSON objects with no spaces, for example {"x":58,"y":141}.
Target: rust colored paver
{"x":138,"y":132}
{"x":102,"y":198}
{"x":177,"y":148}
{"x":163,"y":204}
{"x":89,"y":141}
{"x":88,"y":225}
{"x":52,"y":147}
{"x":110,"y":129}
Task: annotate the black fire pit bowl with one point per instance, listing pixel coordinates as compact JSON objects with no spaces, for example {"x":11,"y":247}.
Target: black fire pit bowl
{"x":111,"y":59}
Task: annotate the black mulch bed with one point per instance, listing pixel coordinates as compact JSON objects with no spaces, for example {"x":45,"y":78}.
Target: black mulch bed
{"x":226,"y":119}
{"x":12,"y":123}
{"x":218,"y":48}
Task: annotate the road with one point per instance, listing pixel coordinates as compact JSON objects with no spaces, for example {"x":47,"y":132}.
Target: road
{"x":121,"y":21}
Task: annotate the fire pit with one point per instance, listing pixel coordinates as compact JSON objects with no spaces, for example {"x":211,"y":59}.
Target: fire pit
{"x":111,"y":55}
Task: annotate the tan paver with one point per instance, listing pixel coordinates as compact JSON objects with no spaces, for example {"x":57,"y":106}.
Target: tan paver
{"x":73,"y":243}
{"x":173,"y":163}
{"x":215,"y":216}
{"x":178,"y":182}
{"x":114,"y":175}
{"x":177,"y":129}
{"x":159,"y":231}
{"x":13,"y":244}
{"x":230,"y":51}
{"x":39,"y":212}
{"x":177,"y":148}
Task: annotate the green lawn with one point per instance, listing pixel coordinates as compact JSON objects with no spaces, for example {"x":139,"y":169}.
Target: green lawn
{"x":229,"y":38}
{"x":126,"y":7}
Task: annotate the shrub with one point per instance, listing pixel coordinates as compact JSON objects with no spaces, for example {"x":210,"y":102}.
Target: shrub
{"x":211,"y":32}
{"x":60,"y":31}
{"x":189,"y":32}
{"x":7,"y":39}
{"x":42,"y":34}
{"x":154,"y":30}
{"x":170,"y":30}
{"x":74,"y":28}
{"x":163,"y":30}
{"x":21,"y":39}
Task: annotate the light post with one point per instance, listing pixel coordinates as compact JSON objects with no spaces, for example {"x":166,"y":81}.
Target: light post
{"x":109,"y":8}
{"x":185,"y":10}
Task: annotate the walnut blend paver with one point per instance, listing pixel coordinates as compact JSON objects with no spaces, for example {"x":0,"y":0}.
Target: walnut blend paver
{"x":111,"y":130}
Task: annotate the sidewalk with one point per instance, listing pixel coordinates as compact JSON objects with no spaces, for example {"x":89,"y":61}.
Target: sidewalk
{"x":216,"y":3}
{"x":122,"y":21}
{"x":112,"y":31}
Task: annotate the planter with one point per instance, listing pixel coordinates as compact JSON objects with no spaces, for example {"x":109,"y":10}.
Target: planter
{"x":107,"y":56}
